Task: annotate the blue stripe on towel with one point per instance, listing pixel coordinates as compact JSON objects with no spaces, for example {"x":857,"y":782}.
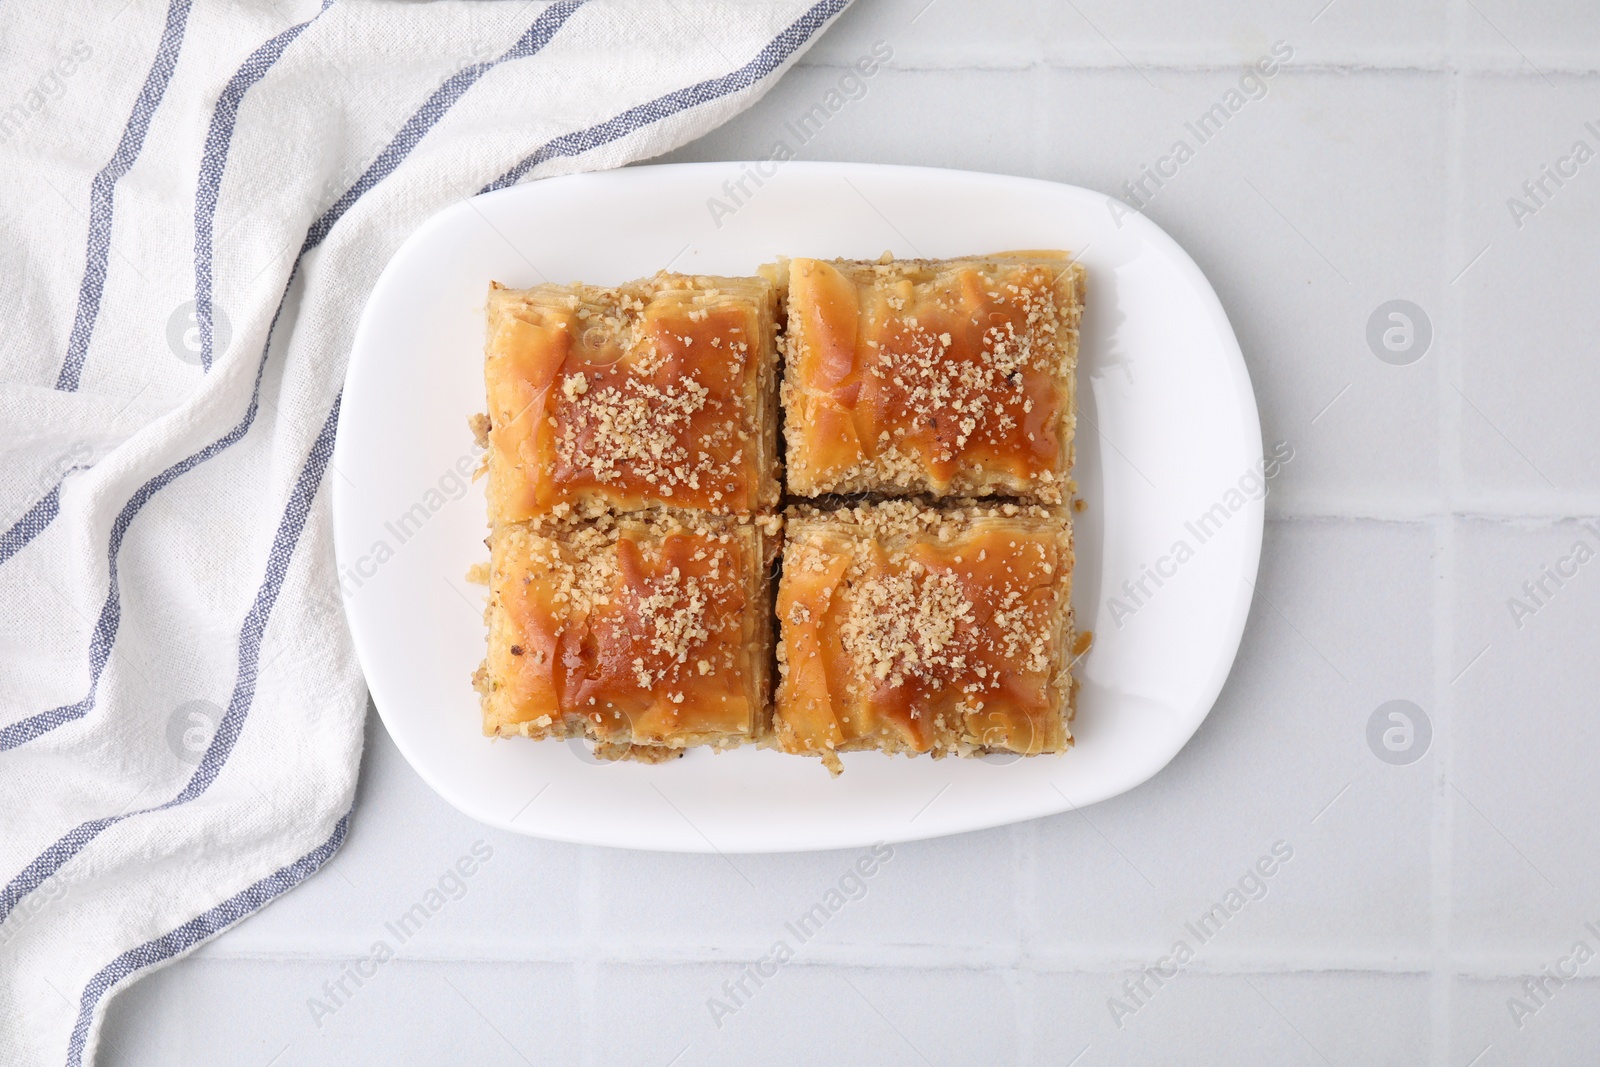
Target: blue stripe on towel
{"x":766,"y":61}
{"x":196,"y":930}
{"x":251,"y":71}
{"x":219,"y":138}
{"x":443,"y":98}
{"x":103,"y":192}
{"x":244,"y":687}
{"x":34,"y":520}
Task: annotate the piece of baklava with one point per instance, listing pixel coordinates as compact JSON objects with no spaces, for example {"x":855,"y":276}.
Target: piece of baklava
{"x":657,"y":392}
{"x":646,"y":633}
{"x":945,"y":377}
{"x":907,"y":629}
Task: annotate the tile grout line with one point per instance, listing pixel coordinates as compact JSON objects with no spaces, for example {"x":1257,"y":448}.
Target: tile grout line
{"x":1025,"y":843}
{"x":1322,"y":512}
{"x":586,"y":968}
{"x":1478,"y":967}
{"x":1442,"y":824}
{"x":1025,"y":838}
{"x":1477,"y":65}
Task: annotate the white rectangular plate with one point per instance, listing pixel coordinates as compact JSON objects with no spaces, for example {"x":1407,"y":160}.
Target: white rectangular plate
{"x":1169,"y":455}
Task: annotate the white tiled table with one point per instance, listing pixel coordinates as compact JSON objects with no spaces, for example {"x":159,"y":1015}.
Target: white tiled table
{"x":1420,"y":498}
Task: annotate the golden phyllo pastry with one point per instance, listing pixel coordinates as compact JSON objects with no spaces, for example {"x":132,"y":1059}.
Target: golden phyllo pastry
{"x":909,"y":629}
{"x":646,"y":632}
{"x":941,"y":377}
{"x":658,"y":392}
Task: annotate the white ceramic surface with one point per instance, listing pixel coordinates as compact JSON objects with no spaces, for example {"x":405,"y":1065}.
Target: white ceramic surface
{"x":1169,"y":431}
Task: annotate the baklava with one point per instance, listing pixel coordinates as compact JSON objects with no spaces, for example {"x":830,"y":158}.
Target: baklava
{"x":910,"y":629}
{"x":941,"y":377}
{"x":646,"y":633}
{"x":657,"y":392}
{"x":923,"y":605}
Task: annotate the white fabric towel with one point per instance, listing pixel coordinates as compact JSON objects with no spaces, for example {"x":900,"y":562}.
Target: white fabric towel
{"x":195,"y":200}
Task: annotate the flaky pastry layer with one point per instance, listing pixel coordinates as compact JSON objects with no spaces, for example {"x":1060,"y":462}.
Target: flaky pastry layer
{"x":909,"y":629}
{"x":941,"y":377}
{"x":657,"y":392}
{"x":641,"y":632}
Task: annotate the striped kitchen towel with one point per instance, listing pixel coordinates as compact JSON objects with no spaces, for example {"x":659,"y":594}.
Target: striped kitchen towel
{"x":195,"y":200}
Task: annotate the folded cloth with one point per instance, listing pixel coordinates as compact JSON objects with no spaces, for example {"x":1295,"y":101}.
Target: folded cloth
{"x":195,"y":200}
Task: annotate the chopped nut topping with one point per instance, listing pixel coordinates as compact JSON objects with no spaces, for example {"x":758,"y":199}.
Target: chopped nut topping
{"x":951,"y":359}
